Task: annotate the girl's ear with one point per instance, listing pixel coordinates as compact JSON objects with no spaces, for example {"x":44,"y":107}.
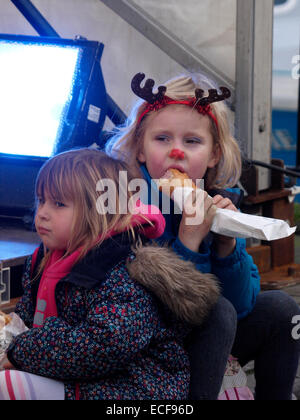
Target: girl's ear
{"x":141,"y":156}
{"x":215,"y":156}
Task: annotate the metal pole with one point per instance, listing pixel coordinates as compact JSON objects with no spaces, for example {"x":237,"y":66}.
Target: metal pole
{"x":254,"y":81}
{"x":34,"y":17}
{"x":43,"y":28}
{"x":115,"y":113}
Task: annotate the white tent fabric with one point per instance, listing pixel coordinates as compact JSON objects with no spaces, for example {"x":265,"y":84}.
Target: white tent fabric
{"x":208,"y":26}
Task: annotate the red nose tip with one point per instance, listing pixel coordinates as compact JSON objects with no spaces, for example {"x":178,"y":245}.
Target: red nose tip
{"x":177,"y":154}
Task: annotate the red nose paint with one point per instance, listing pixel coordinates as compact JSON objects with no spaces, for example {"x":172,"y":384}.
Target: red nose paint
{"x":177,"y":154}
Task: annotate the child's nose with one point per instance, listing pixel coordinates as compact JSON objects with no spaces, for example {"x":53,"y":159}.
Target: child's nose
{"x":177,"y":154}
{"x":42,"y":212}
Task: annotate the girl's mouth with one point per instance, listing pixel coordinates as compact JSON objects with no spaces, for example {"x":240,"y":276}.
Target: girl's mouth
{"x":42,"y":230}
{"x":178,"y":167}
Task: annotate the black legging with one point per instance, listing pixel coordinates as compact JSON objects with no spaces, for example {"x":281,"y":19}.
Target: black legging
{"x":265,"y":336}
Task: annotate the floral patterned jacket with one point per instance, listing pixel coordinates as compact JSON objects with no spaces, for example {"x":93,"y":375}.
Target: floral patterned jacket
{"x":122,"y":319}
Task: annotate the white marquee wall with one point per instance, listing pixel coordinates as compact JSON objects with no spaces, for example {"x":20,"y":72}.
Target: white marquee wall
{"x":207,"y":26}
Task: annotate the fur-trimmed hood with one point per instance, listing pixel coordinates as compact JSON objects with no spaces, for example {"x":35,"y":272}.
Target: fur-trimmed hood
{"x":188,"y":293}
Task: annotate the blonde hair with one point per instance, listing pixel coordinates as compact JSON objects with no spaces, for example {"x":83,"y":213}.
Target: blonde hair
{"x":127,"y":142}
{"x":73,"y":176}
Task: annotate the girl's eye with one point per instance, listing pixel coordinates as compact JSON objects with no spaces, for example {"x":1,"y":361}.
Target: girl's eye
{"x":40,"y":201}
{"x":161,"y":138}
{"x":193,"y":140}
{"x":59,"y":204}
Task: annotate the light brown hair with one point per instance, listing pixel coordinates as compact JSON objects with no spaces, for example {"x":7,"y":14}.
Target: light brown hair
{"x":73,"y":176}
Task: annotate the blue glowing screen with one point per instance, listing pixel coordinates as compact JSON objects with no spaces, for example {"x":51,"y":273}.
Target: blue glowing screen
{"x":36,"y":84}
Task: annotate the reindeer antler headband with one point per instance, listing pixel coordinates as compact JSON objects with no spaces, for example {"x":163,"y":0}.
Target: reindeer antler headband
{"x":159,"y":100}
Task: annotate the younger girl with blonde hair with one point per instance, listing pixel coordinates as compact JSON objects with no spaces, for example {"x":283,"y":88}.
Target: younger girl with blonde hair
{"x":184,"y":125}
{"x":105,"y":322}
